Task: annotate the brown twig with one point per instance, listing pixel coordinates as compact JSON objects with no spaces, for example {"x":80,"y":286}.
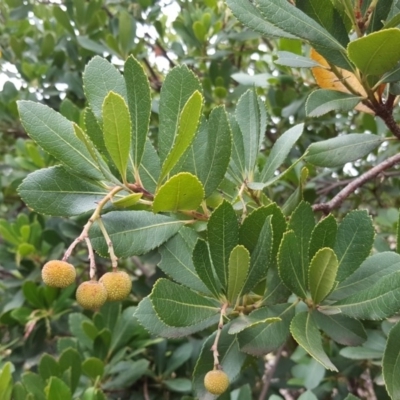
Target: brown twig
{"x":385,"y":112}
{"x":146,"y":390}
{"x":356,"y":183}
{"x":155,"y":79}
{"x":269,"y":374}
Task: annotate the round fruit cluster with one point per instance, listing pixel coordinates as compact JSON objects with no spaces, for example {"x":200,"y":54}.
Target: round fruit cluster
{"x":216,"y":381}
{"x":112,"y":286}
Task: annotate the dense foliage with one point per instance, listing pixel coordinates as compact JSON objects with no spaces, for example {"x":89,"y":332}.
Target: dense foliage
{"x":239,"y":162}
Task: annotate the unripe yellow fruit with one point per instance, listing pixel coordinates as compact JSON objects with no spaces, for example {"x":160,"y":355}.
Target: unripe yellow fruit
{"x":58,"y":273}
{"x":91,"y":295}
{"x":118,"y":285}
{"x":216,"y":381}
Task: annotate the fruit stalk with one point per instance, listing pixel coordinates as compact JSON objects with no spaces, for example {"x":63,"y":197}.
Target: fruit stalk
{"x":95,"y":216}
{"x":92,"y":260}
{"x":214,"y":347}
{"x":113,"y":257}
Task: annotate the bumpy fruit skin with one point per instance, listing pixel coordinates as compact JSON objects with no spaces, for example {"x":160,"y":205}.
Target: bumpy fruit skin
{"x":91,"y":295}
{"x":118,"y":285}
{"x":216,"y":381}
{"x":58,"y":274}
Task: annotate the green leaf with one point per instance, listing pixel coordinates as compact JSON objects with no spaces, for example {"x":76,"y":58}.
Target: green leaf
{"x":279,"y":152}
{"x":380,"y":15}
{"x":57,"y":390}
{"x":322,"y":274}
{"x":230,"y":358}
{"x":100,"y":78}
{"x":117,"y":130}
{"x":306,"y":334}
{"x":292,"y":20}
{"x":375,"y":53}
{"x":176,"y":260}
{"x":179,"y":356}
{"x":368,"y":274}
{"x":93,"y":394}
{"x":238,"y":267}
{"x":354,"y":242}
{"x":398,"y":236}
{"x":63,"y":19}
{"x":297,"y":196}
{"x":75,"y":322}
{"x":218,"y":151}
{"x":34,"y":385}
{"x":249,"y":15}
{"x":134,"y":232}
{"x":253,"y":224}
{"x":179,"y":85}
{"x":341,"y":328}
{"x":93,"y":46}
{"x":90,"y":329}
{"x":126,"y":374}
{"x":187,"y":126}
{"x":322,"y":101}
{"x":393,"y":22}
{"x":48,"y":367}
{"x":181,"y":192}
{"x":124,"y":330}
{"x":249,"y":116}
{"x":391,"y":362}
{"x":260,"y":257}
{"x":127,"y":201}
{"x":55,"y":134}
{"x":302,"y":222}
{"x":179,"y":385}
{"x":101,"y":344}
{"x":222,"y":235}
{"x":54,"y":191}
{"x":139,"y":103}
{"x":275,"y":291}
{"x":308,"y":395}
{"x":193,"y":159}
{"x":360,"y":353}
{"x":100,"y":163}
{"x":32,"y":294}
{"x":289,"y":264}
{"x":148,"y":318}
{"x":236,"y":166}
{"x":266,"y":336}
{"x":351,"y":397}
{"x":189,"y":307}
{"x":70,"y":359}
{"x":126,"y":29}
{"x":150,"y":168}
{"x":204,"y":267}
{"x":324,"y":12}
{"x":288,"y":59}
{"x":94,"y":131}
{"x":6,"y":382}
{"x":379,"y":301}
{"x":19,"y":392}
{"x":323,"y":235}
{"x":338,"y":151}
{"x":93,"y":368}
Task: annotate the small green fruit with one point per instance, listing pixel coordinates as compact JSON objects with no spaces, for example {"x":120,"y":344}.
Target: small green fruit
{"x":60,"y":274}
{"x":91,"y":295}
{"x":118,"y":285}
{"x":216,"y":381}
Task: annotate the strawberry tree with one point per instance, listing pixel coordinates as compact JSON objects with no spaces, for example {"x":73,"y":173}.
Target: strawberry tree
{"x":250,"y":271}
